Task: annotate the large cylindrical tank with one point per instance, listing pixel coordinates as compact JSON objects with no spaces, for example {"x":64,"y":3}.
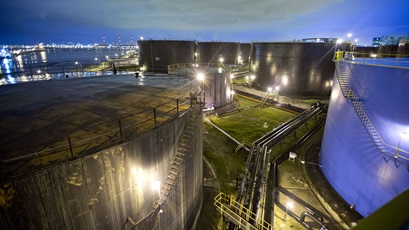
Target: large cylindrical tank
{"x":218,"y":90}
{"x":245,"y":50}
{"x":213,"y":52}
{"x":115,"y":188}
{"x":299,"y":68}
{"x":351,"y":155}
{"x":156,"y":55}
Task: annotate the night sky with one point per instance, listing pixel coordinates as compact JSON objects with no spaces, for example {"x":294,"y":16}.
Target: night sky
{"x":86,"y":21}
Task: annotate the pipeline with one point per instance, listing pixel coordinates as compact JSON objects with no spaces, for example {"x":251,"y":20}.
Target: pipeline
{"x":273,"y":181}
{"x":226,"y":134}
{"x":267,"y":144}
{"x":316,"y":219}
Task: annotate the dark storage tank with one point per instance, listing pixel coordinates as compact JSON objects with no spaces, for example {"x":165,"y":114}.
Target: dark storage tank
{"x":116,"y":188}
{"x":213,"y":52}
{"x":245,"y":50}
{"x":156,"y":55}
{"x":365,"y":148}
{"x":299,"y":68}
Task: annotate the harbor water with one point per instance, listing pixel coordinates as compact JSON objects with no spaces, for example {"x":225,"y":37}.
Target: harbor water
{"x":55,"y":63}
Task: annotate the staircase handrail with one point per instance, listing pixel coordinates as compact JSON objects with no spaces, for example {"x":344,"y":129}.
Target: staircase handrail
{"x":354,"y":97}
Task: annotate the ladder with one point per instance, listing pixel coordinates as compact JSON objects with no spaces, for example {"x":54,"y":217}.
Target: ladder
{"x":349,"y":91}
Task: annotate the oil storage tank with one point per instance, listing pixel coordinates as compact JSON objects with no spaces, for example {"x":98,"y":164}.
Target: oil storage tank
{"x":214,"y":52}
{"x":299,"y":68}
{"x":156,"y":55}
{"x":112,"y":189}
{"x":245,"y":50}
{"x":365,"y":148}
{"x":218,"y":90}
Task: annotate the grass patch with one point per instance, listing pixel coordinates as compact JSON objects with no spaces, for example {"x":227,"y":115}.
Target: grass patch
{"x":251,"y":124}
{"x":227,"y":164}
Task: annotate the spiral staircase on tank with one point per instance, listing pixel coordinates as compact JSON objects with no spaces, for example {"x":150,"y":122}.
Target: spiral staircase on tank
{"x":352,"y":91}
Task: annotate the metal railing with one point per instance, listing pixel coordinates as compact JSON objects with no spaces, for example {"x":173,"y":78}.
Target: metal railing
{"x":94,"y":138}
{"x":356,"y":101}
{"x":375,"y":59}
{"x":47,"y":71}
{"x":227,"y":205}
{"x":177,"y":66}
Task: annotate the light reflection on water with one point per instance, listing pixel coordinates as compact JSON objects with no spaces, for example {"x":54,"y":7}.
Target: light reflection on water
{"x":54,"y":63}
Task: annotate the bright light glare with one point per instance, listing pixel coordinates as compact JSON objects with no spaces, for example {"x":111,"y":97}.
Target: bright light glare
{"x":349,"y":35}
{"x":290,"y":204}
{"x":277,"y":88}
{"x":200,"y":76}
{"x":339,"y":41}
{"x":156,"y":185}
{"x":284,"y":80}
{"x":253,"y":77}
{"x":269,"y":89}
{"x":221,"y":59}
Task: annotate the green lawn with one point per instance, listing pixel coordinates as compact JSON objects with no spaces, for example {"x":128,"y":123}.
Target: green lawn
{"x":250,"y":124}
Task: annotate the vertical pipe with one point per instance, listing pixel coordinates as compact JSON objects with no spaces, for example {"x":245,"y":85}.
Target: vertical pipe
{"x":120,"y":129}
{"x":71,"y":150}
{"x":154,"y":115}
{"x":177,"y":107}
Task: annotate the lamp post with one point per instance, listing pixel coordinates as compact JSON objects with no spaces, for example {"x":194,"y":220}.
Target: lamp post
{"x":339,"y":41}
{"x":252,"y":78}
{"x":201,"y":79}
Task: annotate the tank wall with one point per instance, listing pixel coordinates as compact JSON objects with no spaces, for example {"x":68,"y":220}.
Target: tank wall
{"x":301,"y":69}
{"x":156,"y":55}
{"x":245,"y":50}
{"x":211,"y":52}
{"x":351,"y":162}
{"x":102,"y":190}
{"x":217,"y":89}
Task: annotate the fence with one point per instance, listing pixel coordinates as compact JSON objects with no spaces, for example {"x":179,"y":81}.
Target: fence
{"x":94,"y":138}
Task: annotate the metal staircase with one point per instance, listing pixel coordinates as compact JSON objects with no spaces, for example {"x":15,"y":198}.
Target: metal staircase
{"x":177,"y":163}
{"x":350,"y":92}
{"x":265,"y":98}
{"x":180,"y":156}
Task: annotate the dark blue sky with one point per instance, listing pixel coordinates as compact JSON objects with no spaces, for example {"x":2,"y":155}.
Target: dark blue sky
{"x":86,"y":21}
